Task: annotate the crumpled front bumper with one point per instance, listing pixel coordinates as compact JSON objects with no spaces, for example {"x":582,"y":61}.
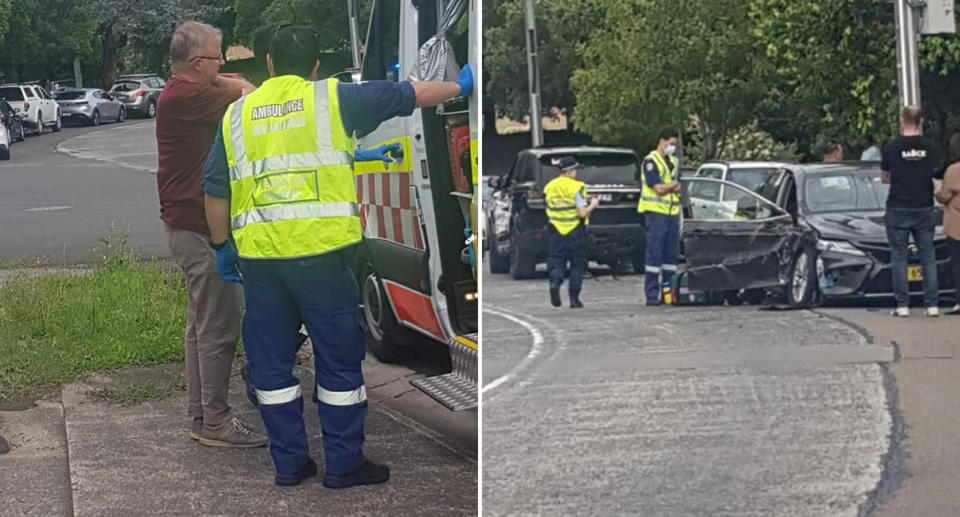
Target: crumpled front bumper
{"x":842,"y":275}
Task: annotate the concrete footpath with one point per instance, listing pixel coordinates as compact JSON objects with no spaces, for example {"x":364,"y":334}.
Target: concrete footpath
{"x":117,"y":444}
{"x":927,"y":377}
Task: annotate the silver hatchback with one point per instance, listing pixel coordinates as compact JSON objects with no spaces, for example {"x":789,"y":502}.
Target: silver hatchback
{"x":90,"y":106}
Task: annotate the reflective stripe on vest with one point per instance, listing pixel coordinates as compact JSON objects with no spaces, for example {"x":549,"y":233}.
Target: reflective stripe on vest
{"x":291,"y":175}
{"x":650,"y":201}
{"x":562,"y":211}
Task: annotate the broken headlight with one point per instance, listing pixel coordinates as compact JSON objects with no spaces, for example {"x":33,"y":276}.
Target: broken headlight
{"x":839,"y":247}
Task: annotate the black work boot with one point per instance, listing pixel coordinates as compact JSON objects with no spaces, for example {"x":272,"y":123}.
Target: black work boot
{"x":555,"y":296}
{"x":308,"y":470}
{"x":369,"y":473}
{"x":575,"y":302}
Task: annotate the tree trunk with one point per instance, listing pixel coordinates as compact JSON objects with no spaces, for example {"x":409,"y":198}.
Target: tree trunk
{"x":110,"y":43}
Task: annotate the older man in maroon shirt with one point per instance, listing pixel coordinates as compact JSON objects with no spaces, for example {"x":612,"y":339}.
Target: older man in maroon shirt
{"x":188,"y":115}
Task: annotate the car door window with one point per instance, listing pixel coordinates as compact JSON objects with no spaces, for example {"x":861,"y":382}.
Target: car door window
{"x":704,"y":202}
{"x":31,"y":94}
{"x":524,"y":172}
{"x":96,"y":95}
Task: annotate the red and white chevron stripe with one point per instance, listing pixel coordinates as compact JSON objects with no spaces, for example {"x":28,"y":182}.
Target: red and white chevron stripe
{"x":386,"y":209}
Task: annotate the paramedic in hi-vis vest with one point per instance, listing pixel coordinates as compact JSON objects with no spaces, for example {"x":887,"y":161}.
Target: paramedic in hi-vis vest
{"x":282,"y":207}
{"x":660,"y":206}
{"x":568,"y":213}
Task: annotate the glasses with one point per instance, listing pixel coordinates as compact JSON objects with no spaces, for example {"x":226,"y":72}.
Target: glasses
{"x":212,"y":58}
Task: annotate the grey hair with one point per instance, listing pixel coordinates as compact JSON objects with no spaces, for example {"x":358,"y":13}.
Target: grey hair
{"x":188,"y":39}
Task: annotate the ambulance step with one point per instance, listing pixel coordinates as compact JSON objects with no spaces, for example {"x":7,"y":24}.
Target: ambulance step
{"x":456,"y":390}
{"x":450,"y":389}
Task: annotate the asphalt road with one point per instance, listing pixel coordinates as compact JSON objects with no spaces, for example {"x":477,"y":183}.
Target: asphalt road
{"x":56,"y":207}
{"x":619,"y":409}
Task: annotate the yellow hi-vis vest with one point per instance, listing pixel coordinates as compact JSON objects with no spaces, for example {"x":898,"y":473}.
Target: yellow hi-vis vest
{"x":562,"y":211}
{"x":292,"y":191}
{"x":650,"y":201}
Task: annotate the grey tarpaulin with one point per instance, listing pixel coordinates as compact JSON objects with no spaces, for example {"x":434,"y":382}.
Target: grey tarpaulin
{"x":436,"y":60}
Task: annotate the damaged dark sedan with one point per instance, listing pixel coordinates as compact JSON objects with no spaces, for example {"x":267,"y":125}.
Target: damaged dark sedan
{"x":811,"y":232}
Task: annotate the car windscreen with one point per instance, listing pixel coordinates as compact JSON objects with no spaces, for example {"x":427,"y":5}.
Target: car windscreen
{"x":70,"y":96}
{"x":596,"y":169}
{"x":845,"y":192}
{"x":125,"y":86}
{"x":11,"y":94}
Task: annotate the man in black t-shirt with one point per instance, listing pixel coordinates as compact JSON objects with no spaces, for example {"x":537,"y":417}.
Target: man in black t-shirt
{"x":910,"y":164}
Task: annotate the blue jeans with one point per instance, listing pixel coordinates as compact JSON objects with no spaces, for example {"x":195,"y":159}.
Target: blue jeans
{"x":901,"y":223}
{"x":322,"y":294}
{"x":572,"y":248}
{"x":663,"y":250}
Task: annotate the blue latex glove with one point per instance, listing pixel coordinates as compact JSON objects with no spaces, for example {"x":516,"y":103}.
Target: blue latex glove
{"x":377,"y":153}
{"x":228,"y":263}
{"x":465,"y":81}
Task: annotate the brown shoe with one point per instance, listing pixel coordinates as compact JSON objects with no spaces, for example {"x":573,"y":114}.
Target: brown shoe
{"x":196,"y":427}
{"x":232,"y":433}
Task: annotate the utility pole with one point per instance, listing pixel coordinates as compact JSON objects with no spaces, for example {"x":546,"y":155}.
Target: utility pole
{"x":533,"y":76}
{"x":77,"y":76}
{"x":354,"y":32}
{"x":908,"y":69}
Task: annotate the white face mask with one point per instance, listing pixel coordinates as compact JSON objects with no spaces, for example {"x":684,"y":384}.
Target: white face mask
{"x":670,"y":150}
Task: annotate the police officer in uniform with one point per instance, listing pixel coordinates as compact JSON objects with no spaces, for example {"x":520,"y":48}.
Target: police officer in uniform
{"x":660,"y":204}
{"x":568,"y":212}
{"x":282,"y":206}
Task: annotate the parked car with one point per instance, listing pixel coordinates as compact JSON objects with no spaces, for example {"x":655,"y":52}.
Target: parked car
{"x":5,"y":142}
{"x":517,"y":219}
{"x":90,"y":106}
{"x":815,"y":233}
{"x":34,"y":104}
{"x":139,"y":93}
{"x":12,"y":121}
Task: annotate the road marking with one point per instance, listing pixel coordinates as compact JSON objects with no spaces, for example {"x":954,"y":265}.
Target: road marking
{"x":535,"y":349}
{"x":49,"y":208}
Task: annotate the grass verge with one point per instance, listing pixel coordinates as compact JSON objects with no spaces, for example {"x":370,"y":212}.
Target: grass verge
{"x":126,"y":312}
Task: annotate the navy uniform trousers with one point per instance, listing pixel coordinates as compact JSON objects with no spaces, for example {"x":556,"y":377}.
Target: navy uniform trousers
{"x":321,"y":293}
{"x":571,"y":248}
{"x":663,"y":250}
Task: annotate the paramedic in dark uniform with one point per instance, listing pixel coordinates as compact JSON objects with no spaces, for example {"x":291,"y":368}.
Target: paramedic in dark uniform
{"x":282,"y":205}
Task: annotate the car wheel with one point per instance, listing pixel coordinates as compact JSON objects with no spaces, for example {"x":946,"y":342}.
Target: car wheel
{"x":522,"y":265}
{"x":800,"y":289}
{"x":122,"y":115}
{"x":20,"y":135}
{"x":39,"y":124}
{"x":5,"y":154}
{"x":386,"y":338}
{"x":499,"y":263}
{"x":151,"y":109}
{"x":59,"y":125}
{"x":95,"y":119}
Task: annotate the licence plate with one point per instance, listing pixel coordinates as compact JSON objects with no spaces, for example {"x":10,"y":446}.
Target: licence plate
{"x":66,"y":114}
{"x":605,"y":197}
{"x":914,"y":274}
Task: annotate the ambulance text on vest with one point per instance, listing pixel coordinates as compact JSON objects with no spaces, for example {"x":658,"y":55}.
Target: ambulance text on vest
{"x":277,"y":111}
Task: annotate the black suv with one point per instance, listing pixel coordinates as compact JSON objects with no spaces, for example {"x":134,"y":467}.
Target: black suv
{"x":517,"y":220}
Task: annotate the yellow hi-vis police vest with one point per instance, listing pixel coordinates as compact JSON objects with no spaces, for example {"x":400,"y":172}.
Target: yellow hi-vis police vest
{"x":562,"y":210}
{"x":650,"y":201}
{"x":292,"y":191}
